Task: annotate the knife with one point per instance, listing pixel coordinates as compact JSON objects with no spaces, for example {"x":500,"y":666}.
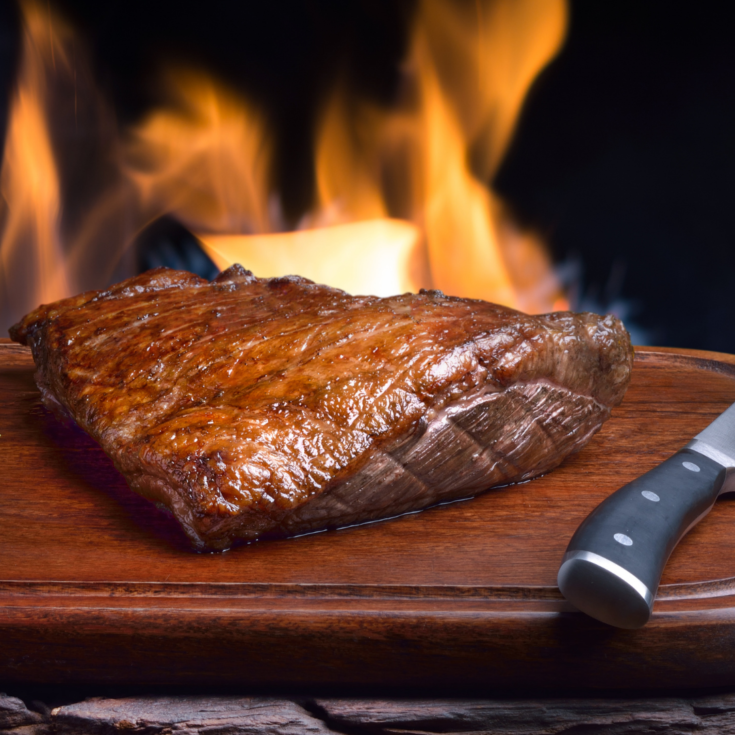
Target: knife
{"x":613,"y":564}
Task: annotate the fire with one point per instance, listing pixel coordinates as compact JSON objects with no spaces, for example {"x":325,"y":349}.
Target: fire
{"x":204,"y":157}
{"x":401,"y":194}
{"x":467,"y":73}
{"x":373,"y":256}
{"x":32,"y":251}
{"x":51,"y":247}
{"x":474,"y":65}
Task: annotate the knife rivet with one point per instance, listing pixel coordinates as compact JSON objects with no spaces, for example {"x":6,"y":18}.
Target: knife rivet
{"x":621,"y":538}
{"x":691,"y":466}
{"x":648,"y":495}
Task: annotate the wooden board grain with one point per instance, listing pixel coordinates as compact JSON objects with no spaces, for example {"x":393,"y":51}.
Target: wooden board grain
{"x":97,"y":585}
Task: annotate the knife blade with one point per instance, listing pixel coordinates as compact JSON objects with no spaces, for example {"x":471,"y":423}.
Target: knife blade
{"x":613,"y":564}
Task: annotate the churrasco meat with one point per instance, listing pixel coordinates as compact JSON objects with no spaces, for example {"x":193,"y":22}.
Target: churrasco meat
{"x":254,"y":407}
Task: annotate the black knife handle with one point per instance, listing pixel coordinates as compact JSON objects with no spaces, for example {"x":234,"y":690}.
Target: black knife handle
{"x":613,"y":564}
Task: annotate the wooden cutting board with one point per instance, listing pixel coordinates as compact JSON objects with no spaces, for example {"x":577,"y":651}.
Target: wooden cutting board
{"x":100,"y":586}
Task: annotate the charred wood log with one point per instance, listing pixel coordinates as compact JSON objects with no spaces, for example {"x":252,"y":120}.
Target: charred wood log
{"x":265,"y":716}
{"x":673,"y":716}
{"x":187,"y":716}
{"x":17,"y":719}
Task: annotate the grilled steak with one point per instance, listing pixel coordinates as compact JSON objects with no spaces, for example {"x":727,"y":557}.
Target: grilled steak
{"x":254,"y":407}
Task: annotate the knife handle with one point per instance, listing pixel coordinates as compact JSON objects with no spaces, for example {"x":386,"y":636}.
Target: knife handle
{"x":613,"y":564}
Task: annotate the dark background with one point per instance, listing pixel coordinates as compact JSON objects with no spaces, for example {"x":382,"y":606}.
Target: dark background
{"x":623,"y":158}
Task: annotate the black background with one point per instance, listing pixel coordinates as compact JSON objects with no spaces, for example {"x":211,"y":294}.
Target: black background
{"x":623,"y":159}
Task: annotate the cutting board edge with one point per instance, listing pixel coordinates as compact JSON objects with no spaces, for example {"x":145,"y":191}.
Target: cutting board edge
{"x":403,"y":648}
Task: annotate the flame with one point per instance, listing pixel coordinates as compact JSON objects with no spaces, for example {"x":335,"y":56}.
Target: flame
{"x":401,"y":200}
{"x":204,"y":157}
{"x":50,"y":246}
{"x":370,"y":257}
{"x":428,"y":159}
{"x":31,"y":250}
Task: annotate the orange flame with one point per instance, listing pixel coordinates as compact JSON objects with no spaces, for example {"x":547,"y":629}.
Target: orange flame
{"x":31,"y":251}
{"x":204,"y":157}
{"x":427,"y":160}
{"x":401,"y":198}
{"x":49,"y":247}
{"x":353,"y":256}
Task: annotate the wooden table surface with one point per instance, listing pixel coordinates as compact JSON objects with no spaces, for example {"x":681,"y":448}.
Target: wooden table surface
{"x":97,"y":585}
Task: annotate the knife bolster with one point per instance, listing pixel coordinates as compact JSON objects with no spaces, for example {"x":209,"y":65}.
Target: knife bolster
{"x":702,"y":447}
{"x":604,"y":590}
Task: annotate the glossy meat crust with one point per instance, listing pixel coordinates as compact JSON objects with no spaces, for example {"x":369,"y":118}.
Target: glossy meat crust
{"x":254,"y":407}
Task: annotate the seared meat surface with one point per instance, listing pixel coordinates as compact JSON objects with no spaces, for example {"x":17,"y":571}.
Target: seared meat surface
{"x":254,"y":407}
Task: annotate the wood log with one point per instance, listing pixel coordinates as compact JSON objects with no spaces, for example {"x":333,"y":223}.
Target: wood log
{"x":17,"y":719}
{"x":191,"y":715}
{"x":187,"y":716}
{"x":675,"y":716}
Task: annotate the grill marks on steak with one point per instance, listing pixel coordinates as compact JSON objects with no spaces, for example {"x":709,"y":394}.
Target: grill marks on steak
{"x":252,"y":406}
